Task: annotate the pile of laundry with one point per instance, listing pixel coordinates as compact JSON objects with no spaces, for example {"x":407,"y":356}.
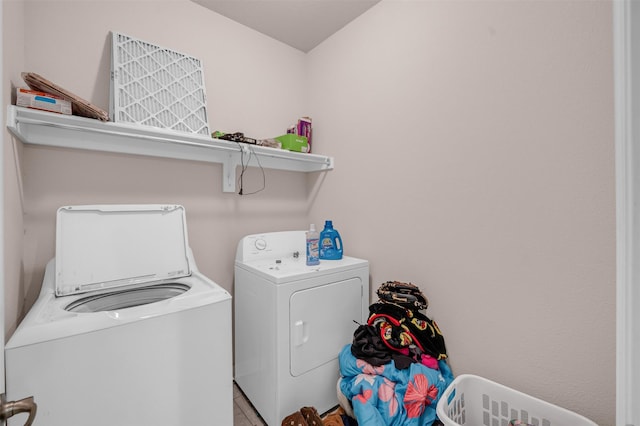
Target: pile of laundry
{"x":396,"y":368}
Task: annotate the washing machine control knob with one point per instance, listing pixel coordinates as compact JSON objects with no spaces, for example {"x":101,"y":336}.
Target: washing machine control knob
{"x":261,"y":244}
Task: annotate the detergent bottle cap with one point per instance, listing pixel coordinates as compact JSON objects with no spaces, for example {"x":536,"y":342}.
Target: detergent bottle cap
{"x":328,"y":223}
{"x":312,"y":227}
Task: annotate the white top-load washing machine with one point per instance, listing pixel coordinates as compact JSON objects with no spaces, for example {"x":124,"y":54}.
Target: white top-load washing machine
{"x":290,"y":322}
{"x":125,"y":331}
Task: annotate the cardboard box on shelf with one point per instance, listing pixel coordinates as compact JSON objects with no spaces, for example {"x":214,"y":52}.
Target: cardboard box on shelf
{"x":42,"y":101}
{"x":293,"y":142}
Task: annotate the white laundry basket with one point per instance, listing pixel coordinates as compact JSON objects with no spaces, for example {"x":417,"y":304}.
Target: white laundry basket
{"x":475,"y":401}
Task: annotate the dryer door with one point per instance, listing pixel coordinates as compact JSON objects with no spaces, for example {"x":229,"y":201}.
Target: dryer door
{"x":322,"y":322}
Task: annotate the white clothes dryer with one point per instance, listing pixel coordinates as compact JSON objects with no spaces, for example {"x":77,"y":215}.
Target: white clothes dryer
{"x":291,"y":321}
{"x":126,"y":331}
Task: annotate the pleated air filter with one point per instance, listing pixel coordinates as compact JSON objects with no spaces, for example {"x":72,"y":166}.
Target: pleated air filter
{"x":158,"y":87}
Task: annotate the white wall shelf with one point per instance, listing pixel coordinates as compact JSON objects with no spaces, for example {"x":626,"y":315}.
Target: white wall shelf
{"x":51,"y":129}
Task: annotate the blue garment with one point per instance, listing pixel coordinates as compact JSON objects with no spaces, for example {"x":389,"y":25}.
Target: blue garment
{"x":387,"y":396}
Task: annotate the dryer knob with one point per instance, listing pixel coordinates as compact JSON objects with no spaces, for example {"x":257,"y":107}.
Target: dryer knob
{"x":261,"y":244}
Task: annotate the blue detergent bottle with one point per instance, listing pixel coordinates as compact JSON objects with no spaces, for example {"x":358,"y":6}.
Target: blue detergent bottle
{"x":330,"y":242}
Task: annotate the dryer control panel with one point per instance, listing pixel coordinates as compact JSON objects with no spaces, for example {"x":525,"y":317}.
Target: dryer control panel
{"x":271,"y":245}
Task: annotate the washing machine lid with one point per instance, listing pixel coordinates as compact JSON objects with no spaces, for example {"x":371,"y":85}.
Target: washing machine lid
{"x":100,"y":247}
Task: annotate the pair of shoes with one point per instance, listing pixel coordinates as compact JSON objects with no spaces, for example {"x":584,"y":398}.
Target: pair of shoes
{"x":307,"y":416}
{"x":311,"y":416}
{"x":294,"y":419}
{"x":334,"y":418}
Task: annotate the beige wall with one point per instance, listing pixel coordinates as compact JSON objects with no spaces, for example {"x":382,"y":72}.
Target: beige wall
{"x":474,"y":156}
